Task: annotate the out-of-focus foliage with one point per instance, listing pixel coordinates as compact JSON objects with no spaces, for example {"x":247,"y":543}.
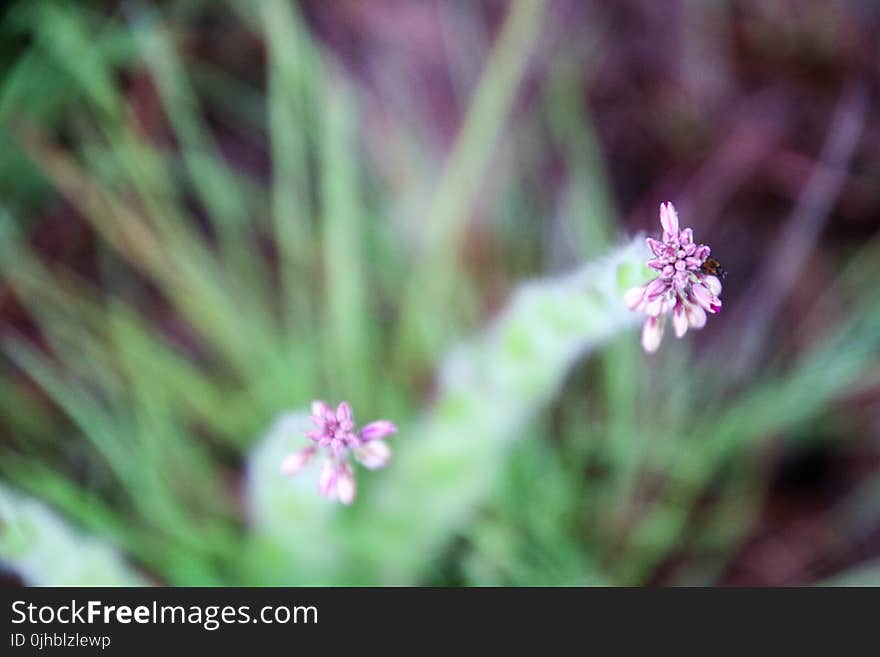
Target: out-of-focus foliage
{"x":489,"y":389}
{"x":44,"y":550}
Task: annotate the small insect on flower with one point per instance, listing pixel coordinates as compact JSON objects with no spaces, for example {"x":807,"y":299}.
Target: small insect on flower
{"x":336,"y":434}
{"x":687,"y":286}
{"x":713,"y":268}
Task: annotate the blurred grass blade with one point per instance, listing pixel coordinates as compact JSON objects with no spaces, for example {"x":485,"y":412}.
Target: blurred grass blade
{"x":294,"y":75}
{"x":867,"y":575}
{"x":203,"y":291}
{"x":589,"y":210}
{"x":95,"y":421}
{"x":216,"y":183}
{"x":456,"y":193}
{"x":347,"y":337}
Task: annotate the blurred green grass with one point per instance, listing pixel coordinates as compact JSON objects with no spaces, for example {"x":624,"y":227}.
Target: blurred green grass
{"x":222,"y":299}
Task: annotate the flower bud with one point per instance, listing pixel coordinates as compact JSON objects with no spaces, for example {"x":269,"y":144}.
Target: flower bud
{"x":345,"y":485}
{"x":327,"y":480}
{"x":374,"y":454}
{"x":297,"y":461}
{"x":377,"y":430}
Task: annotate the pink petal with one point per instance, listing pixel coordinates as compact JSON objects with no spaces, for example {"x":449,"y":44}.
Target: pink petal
{"x":378,"y":429}
{"x":713,"y":283}
{"x":296,"y":462}
{"x":343,"y":412}
{"x":634,"y":296}
{"x":705,"y":298}
{"x":657,"y":247}
{"x":652,"y":334}
{"x":657,"y":263}
{"x":327,"y":480}
{"x":686,"y":236}
{"x":655,"y":288}
{"x":669,"y":219}
{"x":680,"y":320}
{"x":319,"y":409}
{"x":696,"y":316}
{"x":345,"y":484}
{"x":337,"y":447}
{"x":374,"y":455}
{"x":655,"y":307}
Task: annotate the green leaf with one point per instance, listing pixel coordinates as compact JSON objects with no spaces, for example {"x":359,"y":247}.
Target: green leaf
{"x":44,"y":550}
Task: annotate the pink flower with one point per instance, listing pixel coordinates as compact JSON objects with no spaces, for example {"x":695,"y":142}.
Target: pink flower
{"x":682,"y":288}
{"x":336,"y":433}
